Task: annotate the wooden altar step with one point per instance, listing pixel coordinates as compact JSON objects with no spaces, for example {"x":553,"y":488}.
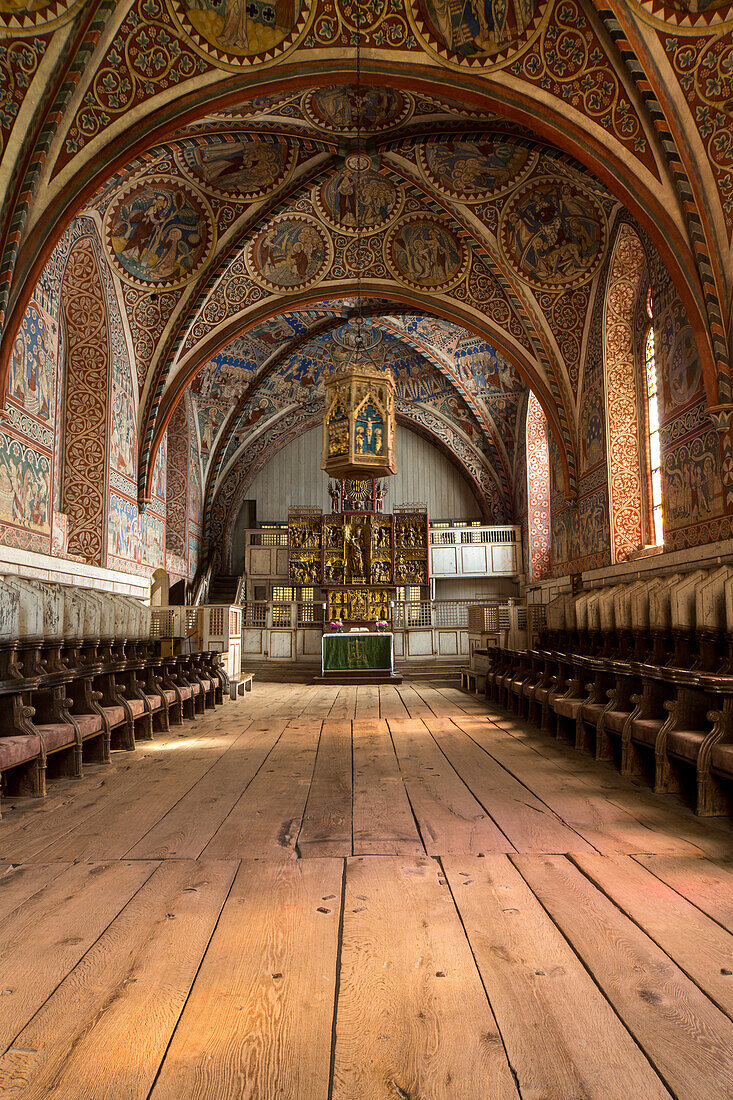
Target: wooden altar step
{"x":350,"y":678}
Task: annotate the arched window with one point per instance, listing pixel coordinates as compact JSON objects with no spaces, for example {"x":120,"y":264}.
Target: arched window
{"x":538,"y":490}
{"x":652,"y":432}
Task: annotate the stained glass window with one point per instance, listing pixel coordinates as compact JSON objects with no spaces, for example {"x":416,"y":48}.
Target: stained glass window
{"x":652,"y":423}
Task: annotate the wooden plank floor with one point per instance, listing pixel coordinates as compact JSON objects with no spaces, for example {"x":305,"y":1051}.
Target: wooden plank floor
{"x":363,"y":893}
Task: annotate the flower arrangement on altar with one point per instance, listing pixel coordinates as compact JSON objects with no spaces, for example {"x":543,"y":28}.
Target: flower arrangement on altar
{"x":381,"y":625}
{"x":336,"y":626}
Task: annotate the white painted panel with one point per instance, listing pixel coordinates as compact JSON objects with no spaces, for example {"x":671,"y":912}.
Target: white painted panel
{"x":399,"y":644}
{"x":312,"y":642}
{"x":252,"y":641}
{"x":444,"y":561}
{"x":419,"y":643}
{"x":281,"y":565}
{"x":294,"y":478}
{"x":281,"y":644}
{"x":504,"y":558}
{"x":447,"y":642}
{"x":260,"y":561}
{"x":473,"y":559}
{"x":463,"y":639}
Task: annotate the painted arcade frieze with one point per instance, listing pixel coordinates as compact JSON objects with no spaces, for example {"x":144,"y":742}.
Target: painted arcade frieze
{"x":474,"y":171}
{"x":244,"y":168}
{"x":159,"y":232}
{"x":235,"y":33}
{"x":291,"y":253}
{"x":554,"y":233}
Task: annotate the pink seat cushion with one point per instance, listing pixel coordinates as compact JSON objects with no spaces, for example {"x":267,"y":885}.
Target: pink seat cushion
{"x":196,"y":689}
{"x":685,"y":743}
{"x":592,"y":712}
{"x":186,"y":691}
{"x":88,"y":723}
{"x":721,"y":760}
{"x":646,"y":729}
{"x":170,"y":695}
{"x":137,"y":706}
{"x":155,"y":701}
{"x":115,"y":715}
{"x":18,"y":750}
{"x":57,"y":735}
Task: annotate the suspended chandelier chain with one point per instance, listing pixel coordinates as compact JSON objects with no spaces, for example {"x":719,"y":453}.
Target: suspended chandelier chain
{"x":359,"y":107}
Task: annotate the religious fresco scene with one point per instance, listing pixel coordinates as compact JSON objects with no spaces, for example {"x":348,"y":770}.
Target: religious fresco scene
{"x":367,"y":366}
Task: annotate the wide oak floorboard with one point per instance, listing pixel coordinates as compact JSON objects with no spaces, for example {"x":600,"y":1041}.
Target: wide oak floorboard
{"x":363,"y":893}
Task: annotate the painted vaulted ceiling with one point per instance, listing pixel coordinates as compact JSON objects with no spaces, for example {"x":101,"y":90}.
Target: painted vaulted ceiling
{"x":216,"y":145}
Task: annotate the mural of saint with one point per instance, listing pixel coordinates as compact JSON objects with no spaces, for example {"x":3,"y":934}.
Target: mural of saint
{"x":478,"y":27}
{"x":475,"y":170}
{"x":425,"y":253}
{"x":684,"y":373}
{"x":33,"y":368}
{"x":553,"y":234}
{"x":159,"y":233}
{"x":341,"y":107}
{"x":123,"y":436}
{"x":239,"y":169}
{"x":243,"y":27}
{"x":290,"y":253}
{"x":591,"y":441}
{"x":25,"y":486}
{"x":352,"y":197}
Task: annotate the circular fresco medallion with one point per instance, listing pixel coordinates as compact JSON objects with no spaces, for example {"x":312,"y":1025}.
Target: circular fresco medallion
{"x":243,"y":169}
{"x":553,"y":233}
{"x":481,"y":33}
{"x":341,"y":109}
{"x":688,"y":16}
{"x":474,"y":171}
{"x":237,"y":33}
{"x":348,"y":335}
{"x":159,"y":231}
{"x":289,"y":254}
{"x":17,"y":20}
{"x":358,"y":194}
{"x":423,"y":253}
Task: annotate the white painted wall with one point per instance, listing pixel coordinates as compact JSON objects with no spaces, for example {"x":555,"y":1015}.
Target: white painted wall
{"x":294,"y":478}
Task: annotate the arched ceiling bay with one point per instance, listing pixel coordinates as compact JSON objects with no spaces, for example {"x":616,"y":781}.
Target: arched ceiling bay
{"x":466,"y":221}
{"x":498,"y":153}
{"x":450,"y":386}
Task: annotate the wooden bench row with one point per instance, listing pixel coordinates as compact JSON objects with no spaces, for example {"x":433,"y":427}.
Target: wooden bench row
{"x":674,"y":726}
{"x":680,"y":619}
{"x":61,"y":707}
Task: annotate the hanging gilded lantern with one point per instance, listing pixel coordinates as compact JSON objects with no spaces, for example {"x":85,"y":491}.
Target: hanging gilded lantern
{"x":359,"y":421}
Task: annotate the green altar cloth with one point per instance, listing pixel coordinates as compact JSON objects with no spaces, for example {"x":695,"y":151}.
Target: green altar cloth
{"x":357,"y":652}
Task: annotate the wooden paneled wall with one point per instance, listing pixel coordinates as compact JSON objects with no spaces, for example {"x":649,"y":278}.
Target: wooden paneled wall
{"x":294,"y":477}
